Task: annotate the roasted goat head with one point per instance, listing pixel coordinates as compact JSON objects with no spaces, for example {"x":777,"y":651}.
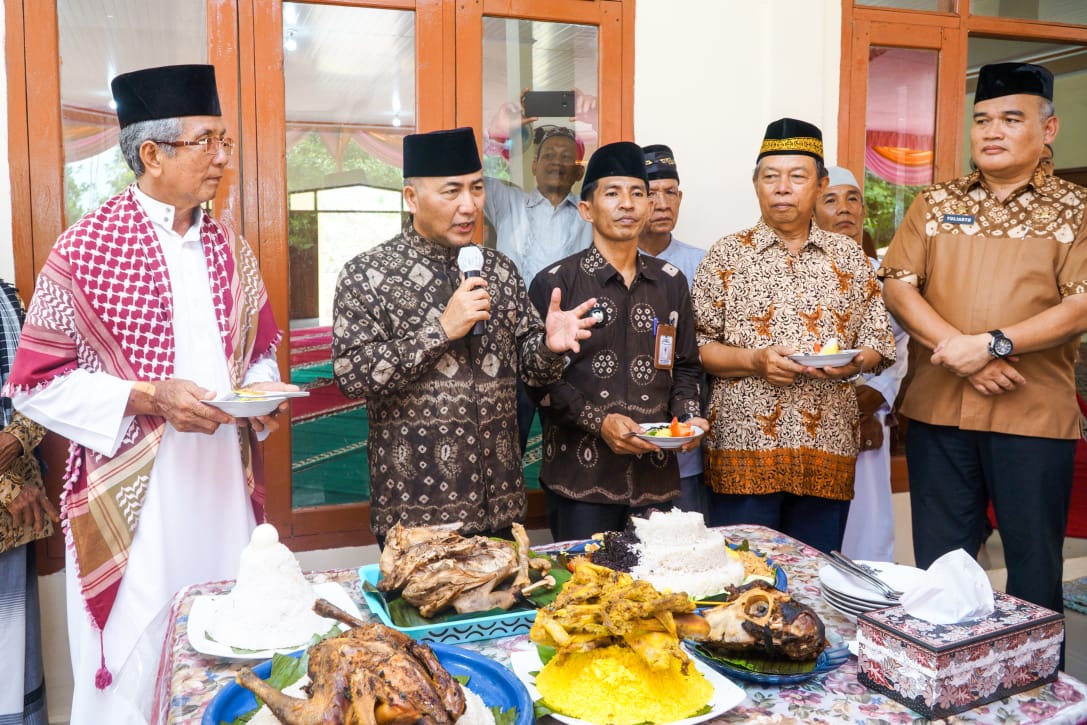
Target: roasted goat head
{"x":371,"y":675}
{"x":757,"y":618}
{"x":434,"y":568}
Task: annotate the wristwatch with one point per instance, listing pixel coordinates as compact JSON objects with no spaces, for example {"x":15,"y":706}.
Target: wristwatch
{"x":1001,"y":345}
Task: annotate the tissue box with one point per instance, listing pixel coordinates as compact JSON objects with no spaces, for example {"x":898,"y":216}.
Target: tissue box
{"x":943,"y":669}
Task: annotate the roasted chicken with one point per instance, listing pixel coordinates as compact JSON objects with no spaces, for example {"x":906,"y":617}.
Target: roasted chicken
{"x":371,"y":675}
{"x":434,"y":567}
{"x":758,"y":618}
{"x":598,"y":607}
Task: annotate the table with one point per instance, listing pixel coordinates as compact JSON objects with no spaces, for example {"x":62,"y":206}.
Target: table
{"x":188,"y":680}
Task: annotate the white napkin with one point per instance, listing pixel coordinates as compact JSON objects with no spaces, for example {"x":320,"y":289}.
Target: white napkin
{"x":955,"y":588}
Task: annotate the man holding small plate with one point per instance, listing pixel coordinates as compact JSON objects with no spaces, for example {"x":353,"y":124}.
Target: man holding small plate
{"x":782,"y":447}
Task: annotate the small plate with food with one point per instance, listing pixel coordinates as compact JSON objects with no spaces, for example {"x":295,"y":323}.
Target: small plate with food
{"x":670,"y":435}
{"x":248,"y":403}
{"x":829,"y":355}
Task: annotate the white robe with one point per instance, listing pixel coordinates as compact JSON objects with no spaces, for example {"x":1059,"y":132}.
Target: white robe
{"x":870,"y":527}
{"x":196,"y":515}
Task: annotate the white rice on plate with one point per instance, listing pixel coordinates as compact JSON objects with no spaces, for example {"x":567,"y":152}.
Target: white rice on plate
{"x":677,"y":552}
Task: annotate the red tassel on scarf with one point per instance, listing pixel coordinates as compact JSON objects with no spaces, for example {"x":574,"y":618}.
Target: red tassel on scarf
{"x":102,"y":678}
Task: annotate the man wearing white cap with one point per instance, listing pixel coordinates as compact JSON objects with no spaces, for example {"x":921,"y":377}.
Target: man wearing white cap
{"x":869,"y":529}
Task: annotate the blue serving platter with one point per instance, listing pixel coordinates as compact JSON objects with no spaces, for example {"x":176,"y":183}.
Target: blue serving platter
{"x":829,"y":659}
{"x":496,"y":686}
{"x":463,"y":629}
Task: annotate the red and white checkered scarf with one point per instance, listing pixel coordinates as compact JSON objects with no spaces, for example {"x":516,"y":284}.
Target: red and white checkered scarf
{"x":103,"y":303}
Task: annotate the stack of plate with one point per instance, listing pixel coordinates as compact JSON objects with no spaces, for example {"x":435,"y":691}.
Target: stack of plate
{"x":852,"y":596}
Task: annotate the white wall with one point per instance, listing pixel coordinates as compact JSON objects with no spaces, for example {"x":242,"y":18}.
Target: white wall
{"x":709,"y":75}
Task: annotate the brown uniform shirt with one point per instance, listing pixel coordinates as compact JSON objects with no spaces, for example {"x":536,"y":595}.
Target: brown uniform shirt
{"x":751,"y":292}
{"x":984,"y":264}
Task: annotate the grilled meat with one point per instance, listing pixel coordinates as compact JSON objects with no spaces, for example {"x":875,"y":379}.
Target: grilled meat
{"x":435,"y":568}
{"x":372,"y":675}
{"x":759,"y":618}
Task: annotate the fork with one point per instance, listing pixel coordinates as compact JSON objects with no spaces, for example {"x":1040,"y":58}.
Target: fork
{"x":848,"y":566}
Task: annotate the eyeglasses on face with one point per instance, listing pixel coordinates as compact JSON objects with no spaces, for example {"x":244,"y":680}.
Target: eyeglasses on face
{"x":211,"y":145}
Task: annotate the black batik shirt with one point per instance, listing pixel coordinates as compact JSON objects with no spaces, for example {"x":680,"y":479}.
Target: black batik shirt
{"x":615,"y":373}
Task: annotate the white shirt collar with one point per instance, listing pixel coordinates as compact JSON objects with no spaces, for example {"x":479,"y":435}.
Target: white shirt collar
{"x":162,"y":214}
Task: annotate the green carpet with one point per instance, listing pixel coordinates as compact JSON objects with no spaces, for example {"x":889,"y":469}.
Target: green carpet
{"x":329,"y":464}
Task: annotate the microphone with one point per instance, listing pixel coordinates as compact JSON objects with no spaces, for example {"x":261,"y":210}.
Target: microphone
{"x":470,"y":261}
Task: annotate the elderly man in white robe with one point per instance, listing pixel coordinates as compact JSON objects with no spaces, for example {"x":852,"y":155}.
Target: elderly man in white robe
{"x":145,"y":310}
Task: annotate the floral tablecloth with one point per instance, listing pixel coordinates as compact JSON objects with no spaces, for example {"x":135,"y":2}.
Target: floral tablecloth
{"x":188,"y":680}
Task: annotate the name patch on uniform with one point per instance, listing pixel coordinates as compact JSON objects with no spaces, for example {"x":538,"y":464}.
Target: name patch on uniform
{"x":958,"y":218}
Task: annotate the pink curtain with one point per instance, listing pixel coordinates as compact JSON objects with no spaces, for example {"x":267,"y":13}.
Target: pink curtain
{"x":899,"y":158}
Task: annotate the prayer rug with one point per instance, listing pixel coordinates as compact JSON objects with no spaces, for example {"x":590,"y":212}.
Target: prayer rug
{"x":1075,"y":594}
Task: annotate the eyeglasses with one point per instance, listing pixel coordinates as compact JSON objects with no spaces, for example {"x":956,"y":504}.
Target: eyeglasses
{"x":211,"y":145}
{"x":542,"y":133}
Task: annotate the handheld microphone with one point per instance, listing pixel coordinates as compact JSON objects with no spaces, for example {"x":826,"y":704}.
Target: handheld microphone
{"x":470,"y":261}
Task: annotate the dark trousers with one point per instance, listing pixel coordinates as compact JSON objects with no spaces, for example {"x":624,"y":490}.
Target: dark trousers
{"x":526,"y":412}
{"x":817,"y":521}
{"x":571,"y":520}
{"x":955,"y":473}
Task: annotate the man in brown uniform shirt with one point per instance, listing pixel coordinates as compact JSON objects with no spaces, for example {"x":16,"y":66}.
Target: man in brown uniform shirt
{"x":987,"y":274}
{"x":595,"y":470}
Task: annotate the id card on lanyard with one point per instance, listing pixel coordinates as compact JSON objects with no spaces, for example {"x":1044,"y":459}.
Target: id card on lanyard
{"x":664,"y":347}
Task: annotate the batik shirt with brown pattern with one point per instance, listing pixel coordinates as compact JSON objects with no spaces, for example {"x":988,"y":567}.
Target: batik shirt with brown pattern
{"x":443,"y":441}
{"x":983,"y":264}
{"x":751,"y":292}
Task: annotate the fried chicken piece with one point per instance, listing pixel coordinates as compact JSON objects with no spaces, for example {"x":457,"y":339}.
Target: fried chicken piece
{"x":370,"y":674}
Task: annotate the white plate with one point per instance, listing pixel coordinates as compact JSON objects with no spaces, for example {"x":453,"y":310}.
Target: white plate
{"x":847,"y":605}
{"x":726,"y":693}
{"x":897,"y":576}
{"x":833,"y":360}
{"x":246,"y":407}
{"x":203,"y":609}
{"x":668,"y":442}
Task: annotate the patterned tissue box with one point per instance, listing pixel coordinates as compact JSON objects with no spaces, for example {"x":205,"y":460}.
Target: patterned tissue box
{"x":944,"y":669}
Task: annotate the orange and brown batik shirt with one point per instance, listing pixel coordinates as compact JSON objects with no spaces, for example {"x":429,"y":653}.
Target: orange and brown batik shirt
{"x":983,"y":265}
{"x":751,"y":292}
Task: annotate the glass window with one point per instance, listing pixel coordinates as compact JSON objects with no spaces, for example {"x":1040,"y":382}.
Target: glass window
{"x":349,"y":79}
{"x":549,"y":69}
{"x":1057,"y":11}
{"x":900,"y":123}
{"x":95,"y":40}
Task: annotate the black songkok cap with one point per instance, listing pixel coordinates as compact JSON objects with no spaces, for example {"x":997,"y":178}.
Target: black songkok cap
{"x":621,"y":158}
{"x":169,"y":91}
{"x":790,"y":136}
{"x":1008,"y":79}
{"x":660,"y":163}
{"x":441,"y":153}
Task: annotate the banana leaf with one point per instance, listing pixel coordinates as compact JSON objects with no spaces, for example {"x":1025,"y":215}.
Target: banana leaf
{"x":762,"y":665}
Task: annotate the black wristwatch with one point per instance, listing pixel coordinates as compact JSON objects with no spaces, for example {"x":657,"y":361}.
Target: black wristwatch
{"x":1001,"y":345}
